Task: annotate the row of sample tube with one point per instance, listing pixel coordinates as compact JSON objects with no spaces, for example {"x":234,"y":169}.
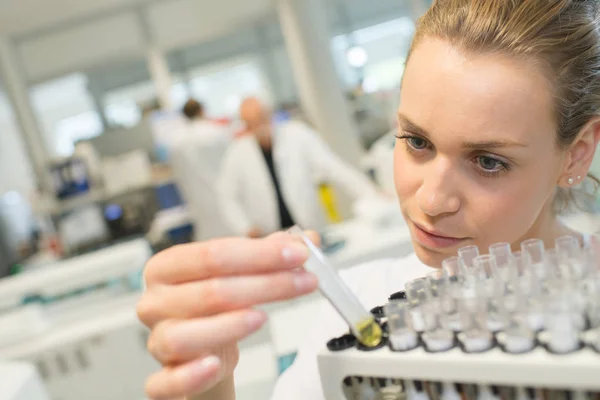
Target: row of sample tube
{"x":514,"y":299}
{"x":372,"y":388}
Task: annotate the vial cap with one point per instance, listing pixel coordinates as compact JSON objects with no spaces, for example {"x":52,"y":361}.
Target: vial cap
{"x":401,"y":295}
{"x":341,"y":343}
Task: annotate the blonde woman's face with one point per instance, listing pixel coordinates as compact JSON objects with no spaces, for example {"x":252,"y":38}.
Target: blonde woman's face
{"x":476,"y":161}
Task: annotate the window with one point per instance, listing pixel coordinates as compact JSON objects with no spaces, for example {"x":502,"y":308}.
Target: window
{"x":222,"y":87}
{"x":65,"y":112}
{"x":386,"y":45}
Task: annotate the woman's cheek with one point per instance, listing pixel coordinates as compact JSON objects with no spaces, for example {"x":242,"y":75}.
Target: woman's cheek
{"x":406,"y":177}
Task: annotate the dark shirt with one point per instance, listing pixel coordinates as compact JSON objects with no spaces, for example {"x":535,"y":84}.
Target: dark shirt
{"x":285,"y":218}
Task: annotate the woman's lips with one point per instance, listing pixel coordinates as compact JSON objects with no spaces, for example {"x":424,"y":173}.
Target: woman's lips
{"x":435,"y":240}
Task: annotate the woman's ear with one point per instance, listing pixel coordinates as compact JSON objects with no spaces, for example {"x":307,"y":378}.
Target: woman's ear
{"x":580,"y":154}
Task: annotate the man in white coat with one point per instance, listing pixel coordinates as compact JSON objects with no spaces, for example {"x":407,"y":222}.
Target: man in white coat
{"x":270,"y":177}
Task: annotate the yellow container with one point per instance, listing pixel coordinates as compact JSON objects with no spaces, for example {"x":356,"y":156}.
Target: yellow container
{"x":329,"y":203}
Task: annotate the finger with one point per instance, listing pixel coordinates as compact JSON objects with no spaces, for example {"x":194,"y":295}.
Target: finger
{"x":176,"y":341}
{"x":237,"y":256}
{"x":192,"y":378}
{"x":212,"y":296}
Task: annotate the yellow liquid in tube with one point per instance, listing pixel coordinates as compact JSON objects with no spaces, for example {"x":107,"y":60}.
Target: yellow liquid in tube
{"x":370,"y":334}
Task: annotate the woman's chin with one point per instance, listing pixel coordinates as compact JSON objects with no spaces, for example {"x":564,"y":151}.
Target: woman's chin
{"x":430,"y":257}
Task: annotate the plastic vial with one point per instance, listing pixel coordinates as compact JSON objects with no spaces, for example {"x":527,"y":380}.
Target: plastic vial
{"x":449,"y":392}
{"x":402,"y":335}
{"x":361,"y":322}
{"x":533,"y":251}
{"x":560,"y":325}
{"x":451,"y":268}
{"x":475,"y":337}
{"x":490,"y":291}
{"x":569,"y":252}
{"x":593,"y":312}
{"x":518,"y":335}
{"x":504,"y":261}
{"x":437,"y":337}
{"x":418,"y":293}
{"x":486,"y":393}
{"x":467,"y":257}
{"x":412,"y":393}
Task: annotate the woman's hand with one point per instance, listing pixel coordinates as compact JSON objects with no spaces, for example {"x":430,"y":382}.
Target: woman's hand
{"x":199,"y":300}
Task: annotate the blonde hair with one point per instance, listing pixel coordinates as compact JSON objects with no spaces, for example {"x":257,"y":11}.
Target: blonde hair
{"x":562,"y":35}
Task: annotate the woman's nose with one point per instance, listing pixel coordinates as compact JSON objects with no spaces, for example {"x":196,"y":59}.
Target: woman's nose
{"x":439,"y":193}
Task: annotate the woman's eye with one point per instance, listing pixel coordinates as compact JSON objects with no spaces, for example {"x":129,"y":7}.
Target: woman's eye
{"x":490,"y":164}
{"x":417,"y":143}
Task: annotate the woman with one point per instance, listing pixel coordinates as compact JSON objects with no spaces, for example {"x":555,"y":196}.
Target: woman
{"x":499,"y":119}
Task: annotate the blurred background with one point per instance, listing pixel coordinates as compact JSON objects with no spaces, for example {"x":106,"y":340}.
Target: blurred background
{"x":91,"y":99}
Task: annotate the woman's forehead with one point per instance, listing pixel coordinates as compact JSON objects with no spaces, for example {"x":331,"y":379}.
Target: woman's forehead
{"x":482,"y":95}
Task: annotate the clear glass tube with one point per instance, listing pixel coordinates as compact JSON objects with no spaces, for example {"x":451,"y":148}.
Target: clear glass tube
{"x":418,"y":294}
{"x":361,"y":322}
{"x":486,"y":266}
{"x":504,"y":260}
{"x":570,"y":257}
{"x":438,"y":284}
{"x":402,"y":335}
{"x":519,"y":337}
{"x":417,"y":291}
{"x":467,"y":257}
{"x":560,"y":324}
{"x":451,"y":268}
{"x":533,"y":251}
{"x":475,"y":334}
{"x":437,"y":335}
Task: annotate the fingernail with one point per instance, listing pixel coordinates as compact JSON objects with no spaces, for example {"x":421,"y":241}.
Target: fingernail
{"x":305,"y":282}
{"x":200,"y":369}
{"x":295,"y":254}
{"x":255,"y":319}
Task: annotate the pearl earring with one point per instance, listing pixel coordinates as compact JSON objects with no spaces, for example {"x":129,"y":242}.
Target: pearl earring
{"x":578,"y":177}
{"x":570,"y":181}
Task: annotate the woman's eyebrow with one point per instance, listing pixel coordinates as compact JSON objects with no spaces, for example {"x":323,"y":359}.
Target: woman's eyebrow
{"x":412,"y":127}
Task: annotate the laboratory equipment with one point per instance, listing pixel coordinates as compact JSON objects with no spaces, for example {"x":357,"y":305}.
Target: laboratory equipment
{"x":362,"y":323}
{"x":501,"y":350}
{"x":75,"y":321}
{"x":20,"y":381}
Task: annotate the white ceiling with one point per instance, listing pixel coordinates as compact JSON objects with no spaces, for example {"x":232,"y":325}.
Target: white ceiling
{"x":20,"y":16}
{"x":23,"y":16}
{"x":60,"y":35}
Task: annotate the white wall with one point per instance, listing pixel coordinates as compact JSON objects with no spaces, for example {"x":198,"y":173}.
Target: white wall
{"x":15,"y":170}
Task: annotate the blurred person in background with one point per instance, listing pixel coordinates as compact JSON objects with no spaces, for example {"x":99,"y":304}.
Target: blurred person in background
{"x":270,"y":177}
{"x":203,"y":127}
{"x":196,"y":158}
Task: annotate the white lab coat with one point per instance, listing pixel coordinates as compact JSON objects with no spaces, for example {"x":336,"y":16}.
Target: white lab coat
{"x":196,"y":159}
{"x":372,"y":283}
{"x":302,"y":161}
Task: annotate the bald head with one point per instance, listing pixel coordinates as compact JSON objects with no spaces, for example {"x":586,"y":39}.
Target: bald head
{"x":257,"y":118}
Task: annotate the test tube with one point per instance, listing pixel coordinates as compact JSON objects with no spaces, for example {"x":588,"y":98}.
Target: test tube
{"x":467,"y":257}
{"x":475,"y":335}
{"x":437,"y":336}
{"x":560,"y":325}
{"x":533,"y":251}
{"x":451,"y":268}
{"x":569,"y":254}
{"x":402,"y":335}
{"x":361,"y":322}
{"x":518,"y":335}
{"x":490,"y":291}
{"x":418,"y":293}
{"x":504,"y":260}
